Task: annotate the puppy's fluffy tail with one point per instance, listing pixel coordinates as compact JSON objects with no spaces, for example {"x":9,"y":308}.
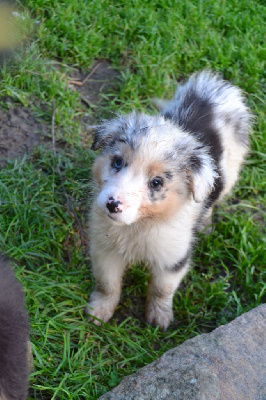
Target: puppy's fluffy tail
{"x":207,"y":100}
{"x":14,"y":337}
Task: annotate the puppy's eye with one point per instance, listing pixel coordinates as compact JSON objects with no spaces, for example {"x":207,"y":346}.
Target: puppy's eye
{"x":117,"y":163}
{"x":156,"y":183}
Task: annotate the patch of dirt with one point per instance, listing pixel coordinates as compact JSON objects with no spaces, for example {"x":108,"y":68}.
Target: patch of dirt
{"x":92,"y":87}
{"x":21,"y":131}
{"x":101,"y":79}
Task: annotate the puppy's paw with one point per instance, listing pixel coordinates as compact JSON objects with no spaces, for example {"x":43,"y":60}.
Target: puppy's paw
{"x":100,"y":308}
{"x":159,"y":315}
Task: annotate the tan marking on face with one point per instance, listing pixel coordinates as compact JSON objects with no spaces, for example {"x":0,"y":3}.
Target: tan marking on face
{"x":155,"y":169}
{"x":162,"y":209}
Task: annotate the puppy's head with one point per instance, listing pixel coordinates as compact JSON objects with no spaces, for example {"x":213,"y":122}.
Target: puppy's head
{"x":148,"y":169}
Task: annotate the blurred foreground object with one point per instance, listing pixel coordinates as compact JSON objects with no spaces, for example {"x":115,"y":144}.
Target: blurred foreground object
{"x":14,"y":27}
{"x":15,"y":353}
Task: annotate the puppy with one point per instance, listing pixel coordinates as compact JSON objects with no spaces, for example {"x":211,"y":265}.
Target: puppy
{"x":14,"y":337}
{"x":158,"y":178}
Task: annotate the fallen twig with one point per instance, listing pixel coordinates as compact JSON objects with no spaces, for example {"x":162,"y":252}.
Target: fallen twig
{"x":81,"y":83}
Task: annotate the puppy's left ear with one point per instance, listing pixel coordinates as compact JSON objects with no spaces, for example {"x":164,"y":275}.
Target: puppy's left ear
{"x":202,"y":174}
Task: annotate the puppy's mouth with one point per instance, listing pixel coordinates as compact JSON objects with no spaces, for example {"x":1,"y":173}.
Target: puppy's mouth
{"x":118,"y":218}
{"x":111,"y":217}
{"x":115,"y":220}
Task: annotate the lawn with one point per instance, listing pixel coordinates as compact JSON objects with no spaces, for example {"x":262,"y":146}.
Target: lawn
{"x":45,"y":196}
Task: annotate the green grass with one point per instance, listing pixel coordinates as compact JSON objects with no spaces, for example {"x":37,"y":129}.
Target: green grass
{"x":43,"y":212}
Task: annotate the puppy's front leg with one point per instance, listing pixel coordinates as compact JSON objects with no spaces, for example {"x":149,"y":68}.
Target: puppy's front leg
{"x":108,"y":272}
{"x":162,"y":287}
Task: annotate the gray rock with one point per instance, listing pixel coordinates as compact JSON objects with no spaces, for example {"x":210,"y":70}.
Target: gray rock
{"x":226,"y":364}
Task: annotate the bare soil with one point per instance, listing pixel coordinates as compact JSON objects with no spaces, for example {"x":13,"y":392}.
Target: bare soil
{"x":21,"y":130}
{"x":93,"y":84}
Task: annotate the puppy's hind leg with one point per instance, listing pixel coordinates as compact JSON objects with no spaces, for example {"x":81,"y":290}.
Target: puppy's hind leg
{"x":162,"y":287}
{"x":108,"y":272}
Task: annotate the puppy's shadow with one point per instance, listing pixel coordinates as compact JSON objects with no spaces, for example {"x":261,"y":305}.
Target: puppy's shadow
{"x":133,"y":297}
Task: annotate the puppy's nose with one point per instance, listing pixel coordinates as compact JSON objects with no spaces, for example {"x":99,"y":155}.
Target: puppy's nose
{"x":113,"y":206}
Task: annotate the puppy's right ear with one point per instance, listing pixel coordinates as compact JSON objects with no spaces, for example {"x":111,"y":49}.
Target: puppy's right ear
{"x":107,"y":133}
{"x":96,"y":145}
{"x":100,"y":138}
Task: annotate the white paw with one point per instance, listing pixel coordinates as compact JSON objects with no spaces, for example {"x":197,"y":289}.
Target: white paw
{"x":101,"y":308}
{"x":159,"y":314}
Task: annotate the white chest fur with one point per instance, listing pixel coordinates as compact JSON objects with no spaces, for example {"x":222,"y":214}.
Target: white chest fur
{"x":160,"y":243}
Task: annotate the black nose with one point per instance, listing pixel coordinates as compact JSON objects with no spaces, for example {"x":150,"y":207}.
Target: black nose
{"x":113,"y":206}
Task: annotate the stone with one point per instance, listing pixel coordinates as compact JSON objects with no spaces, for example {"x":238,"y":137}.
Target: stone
{"x":226,"y":364}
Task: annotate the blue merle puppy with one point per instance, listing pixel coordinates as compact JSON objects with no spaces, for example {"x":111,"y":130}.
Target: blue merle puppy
{"x":14,"y":337}
{"x":157,"y":180}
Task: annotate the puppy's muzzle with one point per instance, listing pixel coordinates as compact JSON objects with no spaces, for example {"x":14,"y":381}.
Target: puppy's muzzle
{"x":114,"y":206}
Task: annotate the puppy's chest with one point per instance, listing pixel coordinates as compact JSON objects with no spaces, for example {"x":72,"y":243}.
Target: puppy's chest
{"x":161,"y":245}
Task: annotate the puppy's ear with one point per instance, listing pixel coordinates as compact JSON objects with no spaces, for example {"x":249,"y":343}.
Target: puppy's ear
{"x":202,"y":174}
{"x":107,"y":133}
{"x":101,"y":138}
